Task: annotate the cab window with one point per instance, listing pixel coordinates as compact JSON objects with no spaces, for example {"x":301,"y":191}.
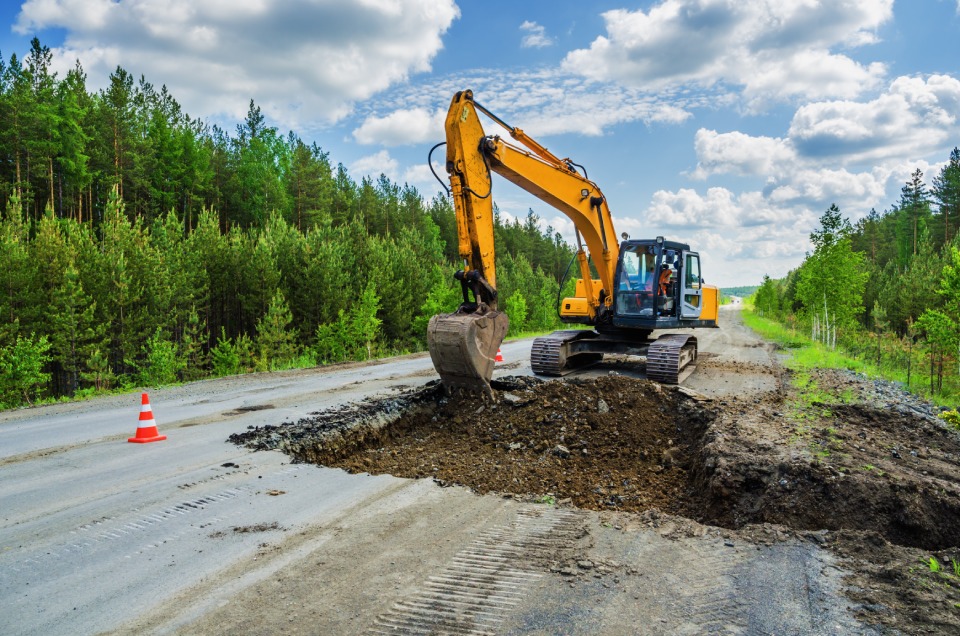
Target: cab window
{"x":636,"y":273}
{"x":692,"y":278}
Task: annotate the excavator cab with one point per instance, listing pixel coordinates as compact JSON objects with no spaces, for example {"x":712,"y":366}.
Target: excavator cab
{"x":659,"y":286}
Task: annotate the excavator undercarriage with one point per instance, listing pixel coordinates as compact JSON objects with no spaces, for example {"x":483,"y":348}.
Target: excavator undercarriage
{"x":670,"y":359}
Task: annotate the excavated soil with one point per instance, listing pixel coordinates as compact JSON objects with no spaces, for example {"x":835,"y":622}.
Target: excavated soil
{"x":876,"y":481}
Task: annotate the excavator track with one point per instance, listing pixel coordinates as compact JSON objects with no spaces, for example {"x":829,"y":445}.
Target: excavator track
{"x":550,"y":355}
{"x":671,"y":358}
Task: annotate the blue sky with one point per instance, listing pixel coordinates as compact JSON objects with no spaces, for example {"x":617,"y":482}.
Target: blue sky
{"x":729,"y":124}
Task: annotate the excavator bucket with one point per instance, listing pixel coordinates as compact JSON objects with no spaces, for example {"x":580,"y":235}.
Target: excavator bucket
{"x":463,"y":347}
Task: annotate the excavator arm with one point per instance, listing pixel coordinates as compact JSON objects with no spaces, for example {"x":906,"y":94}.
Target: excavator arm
{"x":463,"y":345}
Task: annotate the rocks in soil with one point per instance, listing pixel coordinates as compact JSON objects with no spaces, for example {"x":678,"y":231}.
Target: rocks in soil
{"x":598,"y":443}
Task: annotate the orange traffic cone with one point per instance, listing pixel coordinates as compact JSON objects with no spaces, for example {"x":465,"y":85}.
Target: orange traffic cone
{"x":147,"y":428}
{"x":499,"y":357}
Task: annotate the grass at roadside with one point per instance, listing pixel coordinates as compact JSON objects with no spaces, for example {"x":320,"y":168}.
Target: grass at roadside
{"x":803,"y":354}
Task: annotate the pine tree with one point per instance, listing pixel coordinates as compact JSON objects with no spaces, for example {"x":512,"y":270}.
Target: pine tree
{"x":195,"y":359}
{"x":73,"y":104}
{"x":15,"y":131}
{"x":364,"y":323}
{"x":160,"y":363}
{"x":914,"y":214}
{"x":74,"y":332}
{"x":98,"y":373}
{"x":17,"y":287}
{"x":275,"y":342}
{"x":946,"y":193}
{"x":224,"y":356}
{"x":830,"y":282}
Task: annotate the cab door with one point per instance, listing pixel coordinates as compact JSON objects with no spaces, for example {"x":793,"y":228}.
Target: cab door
{"x":691,"y":299}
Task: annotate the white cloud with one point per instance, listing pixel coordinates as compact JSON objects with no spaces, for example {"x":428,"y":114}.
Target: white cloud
{"x":719,"y":208}
{"x":374,"y":165}
{"x":544,"y":102}
{"x":304,"y":62}
{"x":810,"y":166}
{"x":805,"y":171}
{"x":536,"y":36}
{"x":420,"y":177}
{"x":405,"y":126}
{"x":739,"y":153}
{"x":774,"y":49}
{"x":914,"y":117}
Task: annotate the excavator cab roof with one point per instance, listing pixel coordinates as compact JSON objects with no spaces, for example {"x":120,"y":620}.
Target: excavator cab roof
{"x":633,"y":244}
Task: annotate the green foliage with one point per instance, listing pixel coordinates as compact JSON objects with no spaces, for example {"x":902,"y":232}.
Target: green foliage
{"x":195,"y":359}
{"x":951,"y":417}
{"x":275,"y":343}
{"x":443,"y":297}
{"x":146,"y":246}
{"x":21,"y":369}
{"x":161,"y":364}
{"x":831,"y":281}
{"x":353,"y":334}
{"x":75,"y":333}
{"x":766,"y":299}
{"x":98,"y":373}
{"x":516,"y":308}
{"x":225,"y":357}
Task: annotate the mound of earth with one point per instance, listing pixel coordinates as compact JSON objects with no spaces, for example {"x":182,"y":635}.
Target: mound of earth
{"x":613,"y":443}
{"x":879,"y":485}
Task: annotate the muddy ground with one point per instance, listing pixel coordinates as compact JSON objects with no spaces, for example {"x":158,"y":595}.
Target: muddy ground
{"x":855,"y":465}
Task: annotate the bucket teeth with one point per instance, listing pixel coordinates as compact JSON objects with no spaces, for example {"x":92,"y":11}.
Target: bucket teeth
{"x":464,"y":347}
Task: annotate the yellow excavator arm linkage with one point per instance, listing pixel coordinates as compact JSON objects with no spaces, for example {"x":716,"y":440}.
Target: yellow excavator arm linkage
{"x":471,"y":158}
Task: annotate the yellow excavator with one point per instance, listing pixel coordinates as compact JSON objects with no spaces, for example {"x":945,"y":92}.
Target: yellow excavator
{"x":641,"y":285}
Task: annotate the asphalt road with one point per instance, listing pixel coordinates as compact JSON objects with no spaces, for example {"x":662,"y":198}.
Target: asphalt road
{"x":195,"y":535}
{"x":95,"y":530}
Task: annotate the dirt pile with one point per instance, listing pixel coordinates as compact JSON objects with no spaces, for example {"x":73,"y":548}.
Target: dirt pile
{"x":611,"y":443}
{"x":618,"y":443}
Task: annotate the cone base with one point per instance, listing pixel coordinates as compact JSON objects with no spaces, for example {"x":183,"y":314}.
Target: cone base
{"x":145,"y":439}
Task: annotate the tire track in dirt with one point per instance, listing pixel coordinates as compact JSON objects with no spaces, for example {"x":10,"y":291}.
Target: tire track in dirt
{"x":486,"y":580}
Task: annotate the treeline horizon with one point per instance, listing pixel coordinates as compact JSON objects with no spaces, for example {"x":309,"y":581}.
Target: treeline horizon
{"x":885,"y":288}
{"x":141,"y":246}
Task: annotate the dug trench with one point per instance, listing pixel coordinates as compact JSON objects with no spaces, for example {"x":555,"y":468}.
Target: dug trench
{"x":874,"y":483}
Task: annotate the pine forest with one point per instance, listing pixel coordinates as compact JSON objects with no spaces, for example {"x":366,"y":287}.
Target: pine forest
{"x":140,"y":247}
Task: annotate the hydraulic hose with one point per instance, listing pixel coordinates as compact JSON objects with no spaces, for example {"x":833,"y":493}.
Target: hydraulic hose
{"x":430,"y":163}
